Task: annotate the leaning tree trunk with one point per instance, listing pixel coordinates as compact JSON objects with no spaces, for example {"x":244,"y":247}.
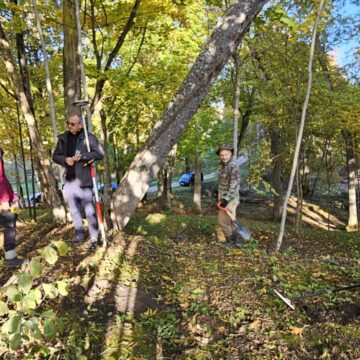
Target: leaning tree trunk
{"x":49,"y":188}
{"x":353,"y":224}
{"x":167,"y":132}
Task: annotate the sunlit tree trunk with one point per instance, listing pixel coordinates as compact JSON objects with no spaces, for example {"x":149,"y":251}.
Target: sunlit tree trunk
{"x":353,"y":224}
{"x":167,"y":132}
{"x":49,"y":186}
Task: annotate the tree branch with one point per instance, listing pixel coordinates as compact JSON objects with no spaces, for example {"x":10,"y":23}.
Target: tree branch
{"x":101,"y":82}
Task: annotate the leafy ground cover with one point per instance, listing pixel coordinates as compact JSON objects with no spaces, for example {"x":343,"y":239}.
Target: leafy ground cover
{"x":152,"y":295}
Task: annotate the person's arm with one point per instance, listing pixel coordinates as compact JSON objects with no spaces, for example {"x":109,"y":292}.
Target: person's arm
{"x":96,"y":151}
{"x":58,"y":156}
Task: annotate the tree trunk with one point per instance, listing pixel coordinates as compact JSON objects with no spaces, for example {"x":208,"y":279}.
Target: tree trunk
{"x":47,"y":72}
{"x":164,"y":180}
{"x":276,"y":173}
{"x":49,"y":186}
{"x":19,"y":189}
{"x":197,"y":183}
{"x":301,"y":129}
{"x":163,"y":190}
{"x":23,"y":159}
{"x":353,"y":224}
{"x":167,"y":132}
{"x":25,"y":78}
{"x":107,"y":169}
{"x":245,"y":119}
{"x":72,"y":79}
{"x":33,"y":202}
{"x":299,"y":201}
{"x":236,"y":100}
{"x":161,"y":183}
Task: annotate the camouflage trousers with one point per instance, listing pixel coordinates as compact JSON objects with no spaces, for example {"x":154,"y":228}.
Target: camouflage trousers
{"x":225,"y":229}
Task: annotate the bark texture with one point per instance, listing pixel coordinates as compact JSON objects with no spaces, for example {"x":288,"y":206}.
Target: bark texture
{"x":71,"y":61}
{"x":211,"y":60}
{"x":353,"y":224}
{"x":276,"y":173}
{"x":49,"y":191}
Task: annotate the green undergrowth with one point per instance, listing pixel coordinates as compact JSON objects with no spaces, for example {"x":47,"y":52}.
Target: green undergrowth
{"x":216,"y":299}
{"x":201,"y":299}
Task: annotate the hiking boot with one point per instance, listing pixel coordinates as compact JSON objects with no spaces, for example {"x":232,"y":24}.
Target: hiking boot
{"x":91,"y":243}
{"x":77,"y":239}
{"x":15,"y":262}
{"x":238,"y":245}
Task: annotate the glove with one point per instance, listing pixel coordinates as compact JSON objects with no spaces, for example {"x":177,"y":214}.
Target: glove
{"x":223,"y":203}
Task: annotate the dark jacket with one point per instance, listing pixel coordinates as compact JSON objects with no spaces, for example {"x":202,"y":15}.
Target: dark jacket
{"x":82,"y":173}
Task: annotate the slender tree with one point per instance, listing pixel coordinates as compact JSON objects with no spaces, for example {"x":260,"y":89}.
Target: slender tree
{"x":47,"y":71}
{"x":301,"y":129}
{"x":237,"y":66}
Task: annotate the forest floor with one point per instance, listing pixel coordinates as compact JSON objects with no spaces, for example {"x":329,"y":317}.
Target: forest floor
{"x":148,"y":296}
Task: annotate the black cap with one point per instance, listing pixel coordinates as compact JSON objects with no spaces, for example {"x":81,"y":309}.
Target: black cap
{"x":225,"y":147}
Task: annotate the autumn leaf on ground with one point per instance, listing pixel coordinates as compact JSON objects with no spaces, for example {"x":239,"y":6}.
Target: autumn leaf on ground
{"x":297,"y":330}
{"x":254,"y":324}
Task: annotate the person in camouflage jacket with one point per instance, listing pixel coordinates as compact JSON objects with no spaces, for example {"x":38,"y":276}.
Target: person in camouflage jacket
{"x":228,"y":194}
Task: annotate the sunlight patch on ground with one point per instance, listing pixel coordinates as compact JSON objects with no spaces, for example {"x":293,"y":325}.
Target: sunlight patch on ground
{"x":155,"y":218}
{"x":119,"y":336}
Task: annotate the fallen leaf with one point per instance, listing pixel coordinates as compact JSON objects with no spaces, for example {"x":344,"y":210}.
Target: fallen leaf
{"x":221,"y":329}
{"x":254,"y":324}
{"x":184,"y":305}
{"x":296,"y":330}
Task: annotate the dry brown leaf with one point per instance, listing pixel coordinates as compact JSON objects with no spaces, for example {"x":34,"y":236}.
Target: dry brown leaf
{"x":254,"y":324}
{"x":184,"y":305}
